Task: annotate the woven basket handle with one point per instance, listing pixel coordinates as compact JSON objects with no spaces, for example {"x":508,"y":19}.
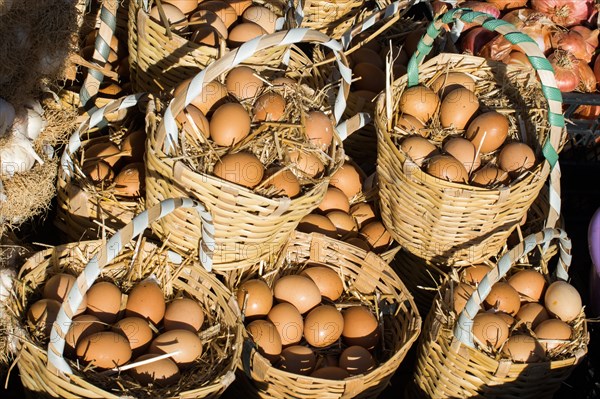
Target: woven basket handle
{"x":167,"y":132}
{"x":464,"y":326}
{"x":106,"y":31}
{"x":541,"y":65}
{"x":109,"y":251}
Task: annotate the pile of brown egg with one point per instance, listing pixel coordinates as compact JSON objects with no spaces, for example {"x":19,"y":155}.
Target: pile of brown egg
{"x":112,"y":329}
{"x":481,"y":134}
{"x":523,"y":318}
{"x":308,"y":330}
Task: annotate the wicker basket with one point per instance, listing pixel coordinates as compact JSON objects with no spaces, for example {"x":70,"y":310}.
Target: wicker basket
{"x":45,"y":370}
{"x":456,"y":223}
{"x":160,"y":60}
{"x":85,"y":211}
{"x":448,"y":364}
{"x":365,"y":274}
{"x":249,"y":227}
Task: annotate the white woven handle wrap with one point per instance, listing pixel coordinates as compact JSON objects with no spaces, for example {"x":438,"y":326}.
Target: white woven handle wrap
{"x":104,"y":257}
{"x":463,"y":330}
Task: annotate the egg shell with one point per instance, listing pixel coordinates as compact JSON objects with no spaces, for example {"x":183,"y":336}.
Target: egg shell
{"x":489,"y":175}
{"x":185,"y":342}
{"x":464,"y":151}
{"x":516,"y":158}
{"x":138,"y":333}
{"x":104,"y":349}
{"x":241,"y":168}
{"x":207,"y":35}
{"x":162,"y":372}
{"x":503,"y":298}
{"x":313,"y":223}
{"x":288,"y":323}
{"x":369,"y":77}
{"x":239,"y":5}
{"x":185,"y":6}
{"x":183,"y":314}
{"x":106,"y":151}
{"x":42,"y":314}
{"x":411,"y":124}
{"x":269,"y":107}
{"x":261,"y":16}
{"x":365,"y":54}
{"x":266,"y":337}
{"x":58,"y":286}
{"x":523,"y":349}
{"x":243,"y":83}
{"x":212,"y":96}
{"x":359,"y":243}
{"x":330,"y":373}
{"x":104,"y":301}
{"x":447,"y":82}
{"x":319,"y":129}
{"x":348,"y":178}
{"x":306,"y":163}
{"x":193,"y":120}
{"x":131,"y":180}
{"x":446,"y":167}
{"x":297,"y":359}
{"x":528,"y":283}
{"x":533,"y":313}
{"x":474,"y":274}
{"x":357,"y":360}
{"x":363,"y":213}
{"x":460,"y":295}
{"x":343,"y":222}
{"x":360,"y":327}
{"x":563,"y":301}
{"x":173,"y":14}
{"x":420,"y":102}
{"x":209,"y":18}
{"x":508,"y":319}
{"x":134,"y":145}
{"x":488,"y":131}
{"x":327,"y":280}
{"x":490,"y":329}
{"x":223,"y":10}
{"x":229,"y":124}
{"x":553,"y":330}
{"x":418,"y":149}
{"x":334,"y":199}
{"x":243,"y":33}
{"x":260,"y":298}
{"x":458,"y":107}
{"x":298,"y":290}
{"x":98,"y":171}
{"x":377,"y":235}
{"x":283,"y":180}
{"x":81,"y":327}
{"x":146,"y":300}
{"x":323,"y":326}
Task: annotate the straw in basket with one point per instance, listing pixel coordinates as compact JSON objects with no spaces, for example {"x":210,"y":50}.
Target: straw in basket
{"x":367,"y":280}
{"x":450,"y":365}
{"x":42,"y":365}
{"x":456,"y":223}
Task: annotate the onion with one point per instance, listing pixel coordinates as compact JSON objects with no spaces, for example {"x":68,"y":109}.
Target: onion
{"x":597,"y":69}
{"x":7,"y":116}
{"x":481,"y":7}
{"x":587,"y":112}
{"x":504,"y":5}
{"x":590,"y":37}
{"x":587,"y":79}
{"x":574,"y":43}
{"x":565,"y":12}
{"x":474,"y":40}
{"x":534,"y":24}
{"x":518,"y":59}
{"x":565,"y":70}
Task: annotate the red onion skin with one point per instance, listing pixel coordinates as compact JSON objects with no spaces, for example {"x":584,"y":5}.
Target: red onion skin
{"x":565,"y":12}
{"x":505,"y":5}
{"x":587,"y":112}
{"x":574,"y":43}
{"x":481,"y":7}
{"x":473,"y":41}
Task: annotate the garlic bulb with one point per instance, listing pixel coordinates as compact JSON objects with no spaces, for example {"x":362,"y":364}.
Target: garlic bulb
{"x":6,"y":282}
{"x":29,"y":122}
{"x":7,"y":116}
{"x":17,"y":156}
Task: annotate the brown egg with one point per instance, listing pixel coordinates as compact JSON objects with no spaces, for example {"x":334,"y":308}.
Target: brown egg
{"x":130,"y":181}
{"x":134,"y":145}
{"x":377,"y":235}
{"x":207,"y":35}
{"x":490,"y":329}
{"x":343,"y":222}
{"x":239,"y":5}
{"x":334,"y":199}
{"x":369,"y":77}
{"x":146,"y":300}
{"x":267,"y":339}
{"x":474,"y":274}
{"x":284,"y":181}
{"x":261,"y":16}
{"x":533,"y":313}
{"x":510,"y":321}
{"x":223,"y":10}
{"x":212,"y":96}
{"x":323,"y":326}
{"x":357,"y":360}
{"x":488,"y":131}
{"x":503,"y":298}
{"x":269,"y":107}
{"x":192,"y":120}
{"x":464,"y":151}
{"x":297,"y":359}
{"x":319,"y":129}
{"x":461,"y":294}
{"x":330,"y":373}
{"x":448,"y":168}
{"x":516,"y":157}
{"x":298,"y":290}
{"x":104,"y":349}
{"x":553,"y":330}
{"x":359,"y":243}
{"x":411,"y":124}
{"x":563,"y":301}
{"x":327,"y":280}
{"x":185,"y":6}
{"x":489,"y":175}
{"x":348,"y":179}
{"x":98,"y":171}
{"x":106,"y":151}
{"x":104,"y":301}
{"x":260,"y":298}
{"x":313,"y":223}
{"x":241,"y":168}
{"x":58,"y":286}
{"x":42,"y":314}
{"x":138,"y":333}
{"x":205,"y":18}
{"x":173,"y":14}
{"x":529,"y":284}
{"x":451,"y":81}
{"x":458,"y":108}
{"x":523,"y":349}
{"x":81,"y":327}
{"x":162,"y":372}
{"x":243,"y":83}
{"x":360,"y":327}
{"x":363,"y":213}
{"x":243,"y":33}
{"x":365,"y":54}
{"x":186,"y":343}
{"x":418,"y":149}
{"x":288,"y":323}
{"x":420,"y":102}
{"x":306,"y":163}
{"x":229,"y":124}
{"x":183,"y":314}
